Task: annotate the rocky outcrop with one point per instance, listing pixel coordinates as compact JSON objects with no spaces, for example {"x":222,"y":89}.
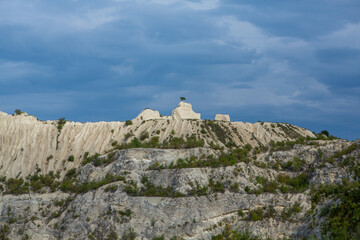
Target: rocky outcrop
{"x":222,"y":117}
{"x":27,"y":143}
{"x":148,"y":114}
{"x":184,"y":111}
{"x":111,"y":209}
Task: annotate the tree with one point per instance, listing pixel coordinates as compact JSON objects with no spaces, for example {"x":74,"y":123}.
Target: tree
{"x":18,"y":112}
{"x":325,"y":132}
{"x":182,"y":98}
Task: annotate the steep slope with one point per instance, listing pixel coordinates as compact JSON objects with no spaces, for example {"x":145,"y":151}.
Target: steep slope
{"x":27,"y":143}
{"x":145,"y":193}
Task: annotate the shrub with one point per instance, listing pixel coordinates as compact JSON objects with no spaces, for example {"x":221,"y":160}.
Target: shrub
{"x":159,"y":238}
{"x":111,"y":188}
{"x":128,"y":135}
{"x":18,"y":112}
{"x":128,"y":122}
{"x":216,"y":187}
{"x":144,"y":135}
{"x":256,"y":214}
{"x":71,"y":158}
{"x":17,"y":186}
{"x":154,"y":141}
{"x":198,"y":190}
{"x":261,"y":213}
{"x":49,"y":158}
{"x":240,"y":213}
{"x":288,"y":212}
{"x":342,"y":219}
{"x":60,"y":123}
{"x":230,"y":234}
{"x":296,"y":164}
{"x":126,"y":213}
{"x":112,"y":236}
{"x":325,"y":132}
{"x":298,"y":183}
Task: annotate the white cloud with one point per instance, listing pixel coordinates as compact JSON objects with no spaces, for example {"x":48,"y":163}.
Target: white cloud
{"x":93,"y":19}
{"x":57,"y":20}
{"x":245,"y":34}
{"x":348,"y":36}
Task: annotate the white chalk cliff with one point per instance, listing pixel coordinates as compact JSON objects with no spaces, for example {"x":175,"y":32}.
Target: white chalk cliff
{"x":184,"y":111}
{"x":27,"y":143}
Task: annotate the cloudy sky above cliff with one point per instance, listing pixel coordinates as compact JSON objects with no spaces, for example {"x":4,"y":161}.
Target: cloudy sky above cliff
{"x":285,"y":61}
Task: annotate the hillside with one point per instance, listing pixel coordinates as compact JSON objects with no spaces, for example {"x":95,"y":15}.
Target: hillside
{"x":172,"y":177}
{"x":27,"y":143}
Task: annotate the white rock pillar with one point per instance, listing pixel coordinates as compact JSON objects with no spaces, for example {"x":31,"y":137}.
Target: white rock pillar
{"x":184,"y":111}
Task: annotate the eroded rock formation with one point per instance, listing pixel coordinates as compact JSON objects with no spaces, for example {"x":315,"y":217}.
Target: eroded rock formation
{"x":222,"y":117}
{"x":184,"y":111}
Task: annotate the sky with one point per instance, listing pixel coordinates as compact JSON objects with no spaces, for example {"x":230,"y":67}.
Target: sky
{"x":281,"y":61}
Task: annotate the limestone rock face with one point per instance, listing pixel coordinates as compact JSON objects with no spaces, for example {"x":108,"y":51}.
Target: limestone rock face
{"x":27,"y":143}
{"x":148,"y":114}
{"x":222,"y":117}
{"x":184,"y":111}
{"x":98,"y":211}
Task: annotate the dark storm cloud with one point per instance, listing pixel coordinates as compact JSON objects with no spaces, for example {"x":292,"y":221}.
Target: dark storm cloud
{"x":257,"y":60}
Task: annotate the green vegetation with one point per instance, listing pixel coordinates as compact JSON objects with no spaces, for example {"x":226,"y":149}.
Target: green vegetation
{"x":126,"y":213}
{"x":69,"y":184}
{"x":173,"y":143}
{"x":216,"y":186}
{"x":346,"y":151}
{"x":41,"y":183}
{"x":295,"y":184}
{"x":259,"y":214}
{"x":341,"y":213}
{"x":144,"y":136}
{"x":199,"y":190}
{"x":71,"y":158}
{"x":128,"y":135}
{"x":4,"y":231}
{"x":97,"y":160}
{"x":342,"y":218}
{"x":295,"y":165}
{"x":128,"y":122}
{"x":159,"y":237}
{"x":288,"y":212}
{"x":221,"y":134}
{"x":18,"y":112}
{"x":267,"y":186}
{"x":182,"y":98}
{"x":150,"y":190}
{"x":284,"y":183}
{"x":112,"y":236}
{"x":16,"y":186}
{"x":226,"y":159}
{"x":49,"y":158}
{"x":230,"y":234}
{"x":60,"y":123}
